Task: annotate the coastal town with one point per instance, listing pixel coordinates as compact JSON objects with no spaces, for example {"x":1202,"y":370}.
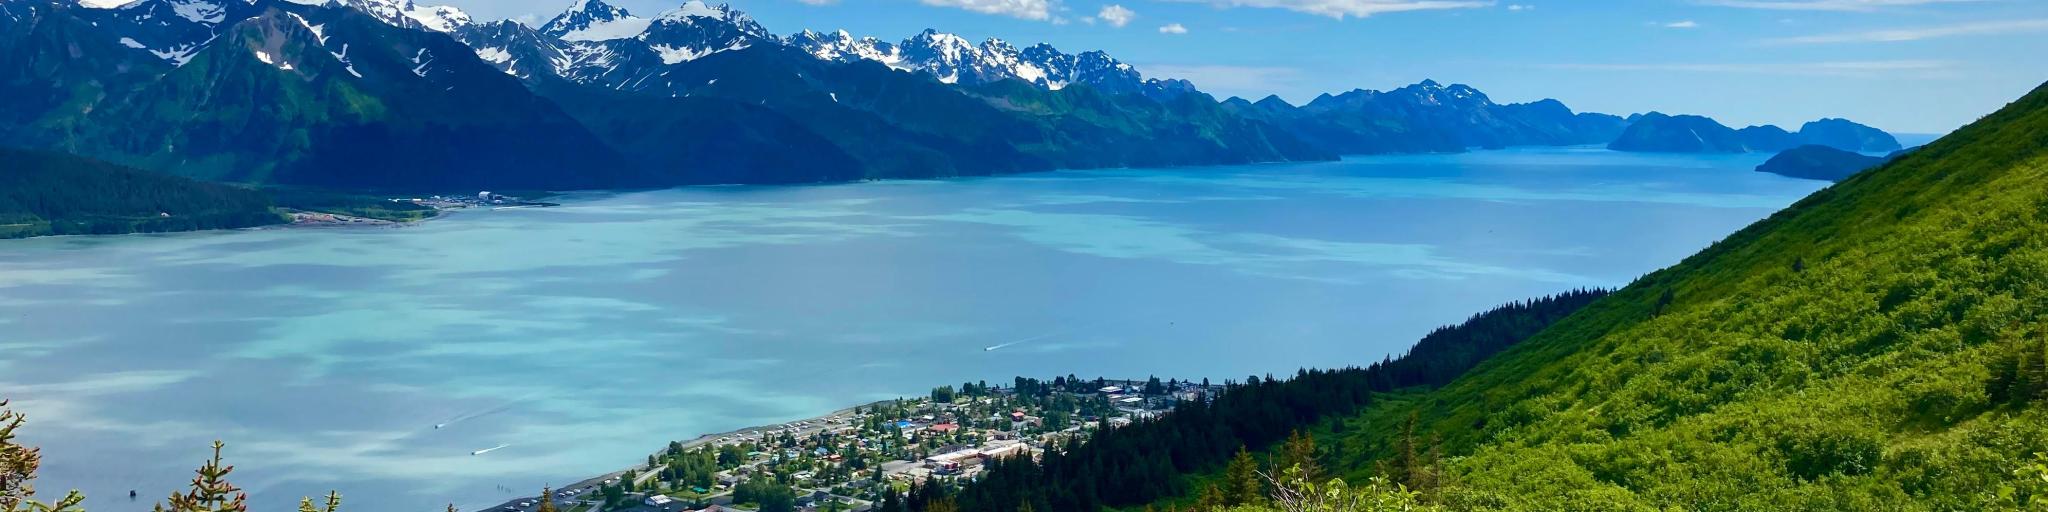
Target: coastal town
{"x":399,"y":211}
{"x":849,"y":460}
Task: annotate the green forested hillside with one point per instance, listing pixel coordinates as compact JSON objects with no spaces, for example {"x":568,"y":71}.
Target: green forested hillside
{"x":1880,"y":345}
{"x":43,"y":193}
{"x":1877,"y":346}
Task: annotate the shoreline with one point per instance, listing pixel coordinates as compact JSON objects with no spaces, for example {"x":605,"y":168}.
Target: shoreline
{"x":797,"y":427}
{"x":592,"y":483}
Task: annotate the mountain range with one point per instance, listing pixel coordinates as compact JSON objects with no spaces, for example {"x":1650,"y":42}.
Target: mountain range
{"x":1428,"y":117}
{"x":393,"y":95}
{"x":1657,"y":132}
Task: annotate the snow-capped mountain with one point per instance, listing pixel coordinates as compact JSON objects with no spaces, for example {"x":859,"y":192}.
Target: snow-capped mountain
{"x":516,"y":49}
{"x":840,"y":46}
{"x":1427,"y":93}
{"x":594,"y":20}
{"x":953,"y":59}
{"x":405,"y":13}
{"x":172,"y":30}
{"x":596,"y":43}
{"x":697,"y":29}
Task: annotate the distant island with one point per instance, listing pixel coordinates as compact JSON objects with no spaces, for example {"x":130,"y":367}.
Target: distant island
{"x":1815,"y":162}
{"x":1660,"y":133}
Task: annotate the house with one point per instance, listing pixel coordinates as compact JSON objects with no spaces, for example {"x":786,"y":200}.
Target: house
{"x":944,"y":428}
{"x":1112,"y":390}
{"x":659,"y":501}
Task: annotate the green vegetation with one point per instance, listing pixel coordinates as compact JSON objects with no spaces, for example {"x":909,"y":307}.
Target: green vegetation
{"x":1877,"y":346}
{"x":766,"y":495}
{"x":44,"y":193}
{"x":349,"y":204}
{"x":210,"y":490}
{"x":1149,"y":460}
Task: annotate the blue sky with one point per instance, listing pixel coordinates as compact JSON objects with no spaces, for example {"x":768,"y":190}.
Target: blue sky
{"x":1921,"y":66}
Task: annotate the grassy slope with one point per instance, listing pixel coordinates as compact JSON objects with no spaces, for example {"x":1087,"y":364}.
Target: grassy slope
{"x":1879,"y":376}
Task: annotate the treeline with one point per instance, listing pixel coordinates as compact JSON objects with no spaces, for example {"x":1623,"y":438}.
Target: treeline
{"x":1149,"y":460}
{"x":45,"y":193}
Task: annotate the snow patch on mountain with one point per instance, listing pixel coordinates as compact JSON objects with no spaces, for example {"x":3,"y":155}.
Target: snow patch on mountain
{"x":319,"y":31}
{"x":406,"y":13}
{"x":607,"y":30}
{"x":200,"y":11}
{"x":494,"y":55}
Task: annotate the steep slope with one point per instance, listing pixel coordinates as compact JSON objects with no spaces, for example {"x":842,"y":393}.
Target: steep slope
{"x":406,"y":13}
{"x":44,"y":193}
{"x":332,"y":97}
{"x":900,"y":125}
{"x":952,"y":59}
{"x":1877,"y":346}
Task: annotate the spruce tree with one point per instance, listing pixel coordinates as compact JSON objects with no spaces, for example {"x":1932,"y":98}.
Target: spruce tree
{"x":18,"y":466}
{"x":1212,"y":500}
{"x":1300,"y":454}
{"x":210,"y":490}
{"x":332,"y":504}
{"x":1242,"y":477}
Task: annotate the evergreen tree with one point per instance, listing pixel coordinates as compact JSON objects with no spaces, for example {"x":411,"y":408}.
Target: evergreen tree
{"x":18,"y":466}
{"x":1299,"y":453}
{"x":1242,"y":477}
{"x":210,"y":490}
{"x":332,"y":504}
{"x":547,"y":500}
{"x":1212,"y":500}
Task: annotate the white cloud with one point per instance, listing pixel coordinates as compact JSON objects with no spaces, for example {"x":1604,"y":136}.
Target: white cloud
{"x":1173,"y":28}
{"x":1866,"y":68}
{"x":1825,"y":5}
{"x":1682,"y":24}
{"x":1116,"y":15}
{"x":1025,"y":9}
{"x":1521,"y":7}
{"x":1353,"y":8}
{"x":1915,"y":34}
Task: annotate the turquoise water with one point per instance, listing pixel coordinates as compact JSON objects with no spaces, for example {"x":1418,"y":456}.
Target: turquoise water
{"x":586,"y":336}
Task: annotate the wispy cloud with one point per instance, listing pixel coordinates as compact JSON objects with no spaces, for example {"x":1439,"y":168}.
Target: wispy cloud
{"x":1521,"y":7}
{"x":1039,"y":10}
{"x":1825,"y":5}
{"x":1682,"y":24}
{"x":1350,"y":8}
{"x":1981,"y":28}
{"x":1922,"y":68}
{"x":1173,"y":28}
{"x":1116,"y":15}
